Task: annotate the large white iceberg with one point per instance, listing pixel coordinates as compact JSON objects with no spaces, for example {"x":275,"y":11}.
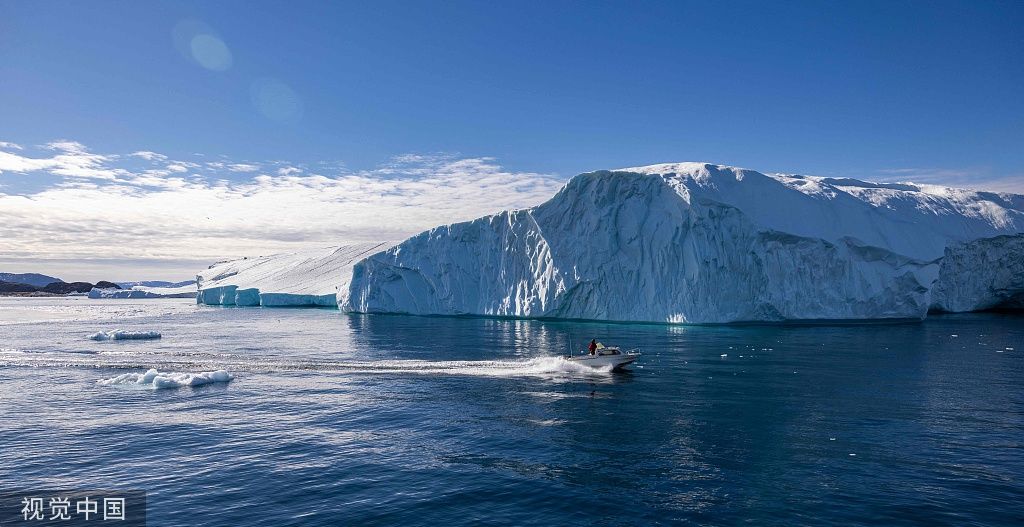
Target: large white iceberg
{"x":303,"y":278}
{"x":702,"y":243}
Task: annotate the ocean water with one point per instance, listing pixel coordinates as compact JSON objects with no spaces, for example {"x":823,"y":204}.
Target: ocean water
{"x":391,"y":420}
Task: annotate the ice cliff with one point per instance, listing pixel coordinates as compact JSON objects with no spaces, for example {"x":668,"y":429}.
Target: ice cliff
{"x":303,"y":278}
{"x":701,"y":243}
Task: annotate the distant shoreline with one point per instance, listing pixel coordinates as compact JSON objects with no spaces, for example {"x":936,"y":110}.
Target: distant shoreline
{"x":36,"y":293}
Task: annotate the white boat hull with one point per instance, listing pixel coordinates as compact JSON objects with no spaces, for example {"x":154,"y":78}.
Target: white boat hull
{"x":616,"y":362}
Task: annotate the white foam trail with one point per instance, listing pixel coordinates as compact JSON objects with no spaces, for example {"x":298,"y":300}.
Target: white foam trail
{"x":538,"y":367}
{"x":157,"y":380}
{"x":544,"y":367}
{"x":118,"y":334}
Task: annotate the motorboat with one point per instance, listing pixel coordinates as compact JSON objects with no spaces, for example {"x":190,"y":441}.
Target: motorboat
{"x":605,"y":356}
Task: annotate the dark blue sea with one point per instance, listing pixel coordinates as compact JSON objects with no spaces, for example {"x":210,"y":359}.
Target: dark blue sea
{"x":394,"y":420}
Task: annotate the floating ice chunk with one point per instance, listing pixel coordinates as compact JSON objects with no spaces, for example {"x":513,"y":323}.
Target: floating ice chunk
{"x":724,"y":355}
{"x":157,"y":380}
{"x":118,"y":334}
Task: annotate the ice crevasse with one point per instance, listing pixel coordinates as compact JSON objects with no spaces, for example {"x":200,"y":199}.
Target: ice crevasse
{"x":698,"y":243}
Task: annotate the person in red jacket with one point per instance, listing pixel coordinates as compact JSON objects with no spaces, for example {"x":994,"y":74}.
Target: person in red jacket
{"x":593,"y":347}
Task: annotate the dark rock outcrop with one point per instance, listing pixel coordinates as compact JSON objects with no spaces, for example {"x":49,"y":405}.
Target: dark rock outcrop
{"x":63,"y":288}
{"x":15,"y":287}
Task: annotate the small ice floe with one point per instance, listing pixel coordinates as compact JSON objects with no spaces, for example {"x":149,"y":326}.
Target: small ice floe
{"x":119,"y":334}
{"x":853,"y":455}
{"x":954,"y":335}
{"x":1009,"y":349}
{"x":157,"y":380}
{"x":724,"y":355}
{"x":831,"y":439}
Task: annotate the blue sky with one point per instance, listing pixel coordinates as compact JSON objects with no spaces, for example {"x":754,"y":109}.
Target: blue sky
{"x":537,"y":91}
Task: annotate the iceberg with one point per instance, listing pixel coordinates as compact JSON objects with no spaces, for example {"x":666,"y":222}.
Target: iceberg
{"x":139,"y":291}
{"x":982,"y":274}
{"x":156,"y":283}
{"x":303,"y":278}
{"x":704,"y":243}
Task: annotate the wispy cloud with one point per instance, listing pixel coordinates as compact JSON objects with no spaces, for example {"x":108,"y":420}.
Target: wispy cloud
{"x":972,"y":178}
{"x":149,"y":208}
{"x":149,"y":156}
{"x":71,"y":159}
{"x":243,"y":167}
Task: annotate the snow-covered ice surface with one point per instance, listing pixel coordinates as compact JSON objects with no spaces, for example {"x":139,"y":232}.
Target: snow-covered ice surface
{"x":118,"y":334}
{"x":158,"y":380}
{"x":303,"y":278}
{"x":702,"y":243}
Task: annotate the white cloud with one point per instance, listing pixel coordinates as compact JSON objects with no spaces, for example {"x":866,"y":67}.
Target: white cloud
{"x":972,"y":178}
{"x":160,"y":214}
{"x":10,"y":146}
{"x":149,"y":156}
{"x":243,"y":167}
{"x":65,"y":146}
{"x":16,"y":163}
{"x":71,"y":160}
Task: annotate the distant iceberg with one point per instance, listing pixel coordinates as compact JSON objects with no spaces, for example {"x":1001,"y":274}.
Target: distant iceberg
{"x":118,"y":334}
{"x":681,"y":243}
{"x":303,"y":278}
{"x":188,"y":290}
{"x":159,"y":380}
{"x":157,"y":283}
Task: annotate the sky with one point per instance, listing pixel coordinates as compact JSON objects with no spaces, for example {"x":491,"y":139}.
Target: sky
{"x":145,"y":140}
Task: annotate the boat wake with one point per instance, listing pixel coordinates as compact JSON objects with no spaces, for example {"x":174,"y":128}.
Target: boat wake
{"x":546,"y":367}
